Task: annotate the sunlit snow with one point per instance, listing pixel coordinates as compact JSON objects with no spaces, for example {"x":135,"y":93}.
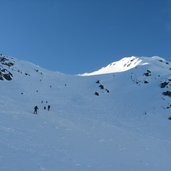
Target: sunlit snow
{"x":104,"y":122}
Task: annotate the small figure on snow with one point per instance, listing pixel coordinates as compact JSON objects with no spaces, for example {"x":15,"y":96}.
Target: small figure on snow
{"x":35,"y":109}
{"x":48,"y":107}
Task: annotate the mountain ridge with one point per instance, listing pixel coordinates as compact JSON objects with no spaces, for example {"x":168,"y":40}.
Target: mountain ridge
{"x":125,"y":64}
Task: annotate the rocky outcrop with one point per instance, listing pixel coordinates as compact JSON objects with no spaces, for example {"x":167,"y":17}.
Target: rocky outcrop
{"x":5,"y":74}
{"x":5,"y":63}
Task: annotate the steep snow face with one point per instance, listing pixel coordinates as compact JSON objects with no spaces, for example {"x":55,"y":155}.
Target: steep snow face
{"x":115,"y":121}
{"x":124,"y":64}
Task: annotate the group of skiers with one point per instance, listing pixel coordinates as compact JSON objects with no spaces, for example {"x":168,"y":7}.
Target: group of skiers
{"x":36,"y":107}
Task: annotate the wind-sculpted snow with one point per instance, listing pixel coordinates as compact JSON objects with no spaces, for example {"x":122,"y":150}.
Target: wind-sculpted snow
{"x":105,"y":122}
{"x":125,"y":64}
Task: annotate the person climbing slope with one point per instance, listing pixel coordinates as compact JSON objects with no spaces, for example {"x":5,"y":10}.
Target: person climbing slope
{"x":35,"y":109}
{"x":48,"y":107}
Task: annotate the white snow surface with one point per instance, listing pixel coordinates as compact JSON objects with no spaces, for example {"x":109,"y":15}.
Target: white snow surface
{"x":125,"y":128}
{"x":122,"y":65}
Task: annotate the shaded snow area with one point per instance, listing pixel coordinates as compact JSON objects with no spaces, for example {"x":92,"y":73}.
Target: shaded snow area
{"x":118,"y":121}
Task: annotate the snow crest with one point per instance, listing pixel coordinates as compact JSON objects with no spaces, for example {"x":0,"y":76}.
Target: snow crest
{"x":124,"y":64}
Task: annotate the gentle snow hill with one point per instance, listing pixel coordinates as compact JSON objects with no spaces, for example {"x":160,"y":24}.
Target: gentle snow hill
{"x":116,"y":118}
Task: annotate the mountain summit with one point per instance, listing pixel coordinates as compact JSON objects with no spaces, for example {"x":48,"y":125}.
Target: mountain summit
{"x":116,"y":118}
{"x":125,"y":64}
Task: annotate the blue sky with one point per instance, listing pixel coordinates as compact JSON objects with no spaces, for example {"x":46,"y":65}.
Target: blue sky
{"x":76,"y":36}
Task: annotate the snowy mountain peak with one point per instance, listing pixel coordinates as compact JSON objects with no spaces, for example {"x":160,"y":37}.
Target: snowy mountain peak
{"x":125,"y":64}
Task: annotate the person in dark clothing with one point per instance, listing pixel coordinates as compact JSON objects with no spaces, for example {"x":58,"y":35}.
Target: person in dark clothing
{"x":35,"y":109}
{"x":44,"y":107}
{"x":48,"y":107}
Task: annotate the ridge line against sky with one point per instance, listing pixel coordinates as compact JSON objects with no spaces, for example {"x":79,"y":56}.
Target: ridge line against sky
{"x":82,"y":36}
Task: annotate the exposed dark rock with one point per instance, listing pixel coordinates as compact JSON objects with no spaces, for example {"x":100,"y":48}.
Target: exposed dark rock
{"x":27,"y":74}
{"x":167,"y":93}
{"x":101,"y":86}
{"x":164,"y":84}
{"x":7,"y":77}
{"x":128,"y":64}
{"x":96,"y":93}
{"x":148,"y":73}
{"x":1,"y":78}
{"x":160,"y":60}
{"x":9,"y":64}
{"x":5,"y":74}
{"x":6,"y":62}
{"x":107,"y":90}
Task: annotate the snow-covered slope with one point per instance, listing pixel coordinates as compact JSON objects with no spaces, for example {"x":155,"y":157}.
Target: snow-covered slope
{"x":104,"y":122}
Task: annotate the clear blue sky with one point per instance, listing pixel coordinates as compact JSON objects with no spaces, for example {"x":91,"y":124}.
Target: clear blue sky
{"x":76,"y":36}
